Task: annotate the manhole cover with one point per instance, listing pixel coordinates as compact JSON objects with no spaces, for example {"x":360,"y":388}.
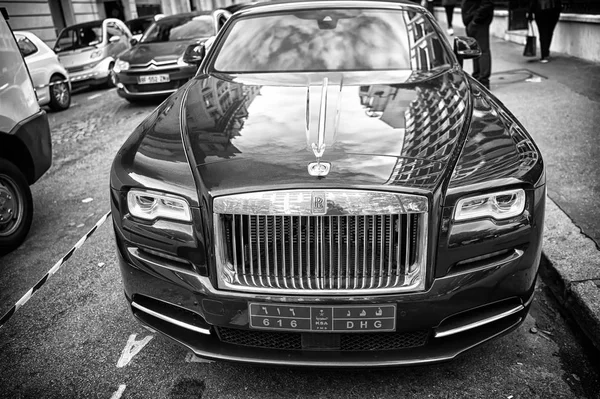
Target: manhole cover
{"x":516,"y":76}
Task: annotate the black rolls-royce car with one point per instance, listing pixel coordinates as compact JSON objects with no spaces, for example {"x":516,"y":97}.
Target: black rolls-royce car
{"x":330,"y":189}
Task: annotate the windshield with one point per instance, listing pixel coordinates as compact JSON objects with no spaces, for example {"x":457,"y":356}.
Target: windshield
{"x":182,"y":28}
{"x":331,"y":40}
{"x":138,"y":26}
{"x":76,"y":37}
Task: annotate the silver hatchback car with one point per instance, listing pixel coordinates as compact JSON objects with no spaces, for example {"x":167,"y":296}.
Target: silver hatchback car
{"x":50,"y":78}
{"x":89,"y":50}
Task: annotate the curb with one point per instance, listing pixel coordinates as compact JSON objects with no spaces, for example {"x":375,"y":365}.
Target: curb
{"x":570,"y":266}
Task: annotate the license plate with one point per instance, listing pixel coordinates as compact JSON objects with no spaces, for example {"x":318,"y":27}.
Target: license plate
{"x":303,"y":318}
{"x":149,"y":79}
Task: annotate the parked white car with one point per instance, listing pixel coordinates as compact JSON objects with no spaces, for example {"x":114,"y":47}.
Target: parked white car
{"x":89,"y":50}
{"x":50,"y":78}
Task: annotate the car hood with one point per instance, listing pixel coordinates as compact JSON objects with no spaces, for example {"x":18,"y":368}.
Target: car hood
{"x":143,"y":53}
{"x":247,"y":133}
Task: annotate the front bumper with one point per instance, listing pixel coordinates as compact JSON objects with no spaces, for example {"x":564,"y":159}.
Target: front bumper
{"x":455,"y":314}
{"x":128,"y":85}
{"x":96,"y":75}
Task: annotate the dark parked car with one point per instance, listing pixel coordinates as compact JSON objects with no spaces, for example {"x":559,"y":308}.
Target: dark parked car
{"x":331,"y":189}
{"x":138,"y":26}
{"x":154,"y":66}
{"x":25,"y":145}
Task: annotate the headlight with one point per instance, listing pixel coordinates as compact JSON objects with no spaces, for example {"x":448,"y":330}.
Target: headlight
{"x":121,"y":66}
{"x":151,"y":205}
{"x":501,"y":205}
{"x":96,"y":54}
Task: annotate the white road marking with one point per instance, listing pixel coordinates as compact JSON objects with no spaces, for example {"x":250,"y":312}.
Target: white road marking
{"x":131,"y":349}
{"x":192,"y":358}
{"x":118,"y":392}
{"x":94,"y":96}
{"x":534,"y":79}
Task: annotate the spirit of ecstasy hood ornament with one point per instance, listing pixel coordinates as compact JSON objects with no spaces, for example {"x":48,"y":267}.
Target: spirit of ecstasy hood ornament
{"x":319,"y":168}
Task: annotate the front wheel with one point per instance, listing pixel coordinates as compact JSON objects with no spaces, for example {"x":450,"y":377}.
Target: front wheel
{"x":16,"y":207}
{"x":60,"y":95}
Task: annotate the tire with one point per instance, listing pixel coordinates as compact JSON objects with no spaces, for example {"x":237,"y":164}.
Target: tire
{"x":60,"y":95}
{"x":16,"y":207}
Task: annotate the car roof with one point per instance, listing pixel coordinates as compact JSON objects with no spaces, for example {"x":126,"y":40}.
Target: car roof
{"x":31,"y":36}
{"x":186,"y":14}
{"x":236,"y":7}
{"x":145,"y":18}
{"x":293,"y":4}
{"x":97,"y":22}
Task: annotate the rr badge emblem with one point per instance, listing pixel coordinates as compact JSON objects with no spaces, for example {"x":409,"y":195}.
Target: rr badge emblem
{"x":319,"y":203}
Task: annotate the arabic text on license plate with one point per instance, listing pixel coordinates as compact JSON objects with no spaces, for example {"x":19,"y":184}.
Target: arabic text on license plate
{"x":153,"y":79}
{"x":317,"y":318}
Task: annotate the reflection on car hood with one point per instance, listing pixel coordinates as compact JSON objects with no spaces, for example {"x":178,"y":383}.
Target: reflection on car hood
{"x":244,"y":136}
{"x":143,"y":53}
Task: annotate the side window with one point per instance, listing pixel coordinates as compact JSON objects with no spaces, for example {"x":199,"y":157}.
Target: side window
{"x":67,"y":40}
{"x":123,"y":30}
{"x":26,"y":46}
{"x":112,"y":30}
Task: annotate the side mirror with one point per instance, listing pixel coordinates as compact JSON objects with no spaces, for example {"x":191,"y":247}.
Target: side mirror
{"x":194,"y":54}
{"x":133,"y":41}
{"x":466,"y":47}
{"x":114,"y":39}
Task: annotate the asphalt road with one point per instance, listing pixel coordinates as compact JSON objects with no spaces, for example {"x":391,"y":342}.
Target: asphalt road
{"x":76,"y":338}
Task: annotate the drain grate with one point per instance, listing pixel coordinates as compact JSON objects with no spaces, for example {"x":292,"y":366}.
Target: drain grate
{"x":516,"y":76}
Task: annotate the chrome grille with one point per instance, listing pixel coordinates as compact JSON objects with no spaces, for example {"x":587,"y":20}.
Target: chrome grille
{"x":321,"y":252}
{"x":333,"y":254}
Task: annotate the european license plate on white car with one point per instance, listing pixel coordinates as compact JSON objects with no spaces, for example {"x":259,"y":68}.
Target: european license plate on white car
{"x":149,"y":79}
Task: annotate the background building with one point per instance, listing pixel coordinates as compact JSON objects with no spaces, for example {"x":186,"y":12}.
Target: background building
{"x":46,"y":18}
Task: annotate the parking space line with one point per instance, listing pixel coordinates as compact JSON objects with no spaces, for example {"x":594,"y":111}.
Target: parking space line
{"x":131,"y":349}
{"x":51,"y":272}
{"x":94,"y":96}
{"x":192,"y":358}
{"x":117,"y":394}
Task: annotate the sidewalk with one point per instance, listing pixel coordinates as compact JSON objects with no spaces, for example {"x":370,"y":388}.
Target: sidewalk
{"x":560,"y":106}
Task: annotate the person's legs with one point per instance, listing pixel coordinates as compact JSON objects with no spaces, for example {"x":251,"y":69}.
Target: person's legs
{"x":553,"y":18}
{"x":430,"y":7}
{"x":449,"y":15}
{"x":482,"y":66}
{"x":545,"y":31}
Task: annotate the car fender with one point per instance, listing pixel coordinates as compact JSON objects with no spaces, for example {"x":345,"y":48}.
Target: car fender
{"x":59,"y":69}
{"x":102,"y":69}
